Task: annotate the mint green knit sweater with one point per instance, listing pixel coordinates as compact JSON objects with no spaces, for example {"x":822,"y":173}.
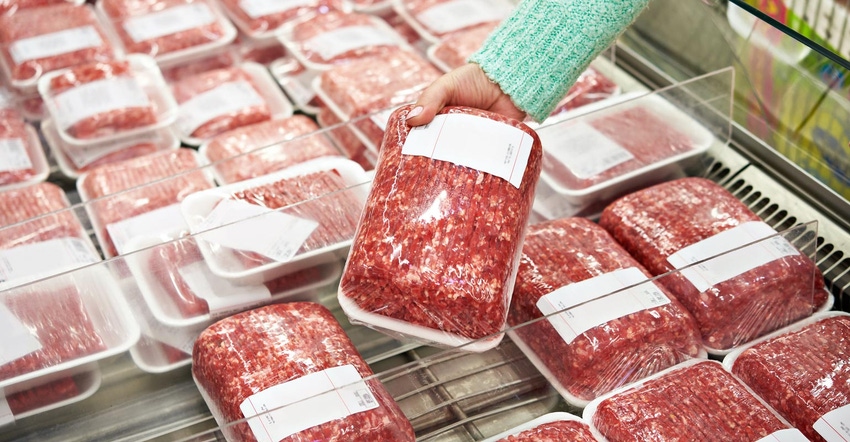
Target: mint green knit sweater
{"x":540,"y":50}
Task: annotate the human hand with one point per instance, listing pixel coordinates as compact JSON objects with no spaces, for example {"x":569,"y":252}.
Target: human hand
{"x":467,"y":85}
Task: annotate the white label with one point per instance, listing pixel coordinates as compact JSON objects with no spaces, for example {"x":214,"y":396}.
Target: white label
{"x":311,"y":400}
{"x":6,"y":416}
{"x":258,"y":229}
{"x":83,"y":156}
{"x":450,"y":16}
{"x":786,"y":435}
{"x":835,"y":425}
{"x":168,"y":21}
{"x":731,"y":264}
{"x":585,"y":151}
{"x":30,"y":262}
{"x":97,"y":97}
{"x":473,"y":141}
{"x":17,"y":340}
{"x":587,"y":305}
{"x":332,"y":43}
{"x":13,"y":155}
{"x":260,"y":8}
{"x":159,"y":223}
{"x":382,"y":118}
{"x":55,"y":43}
{"x":222,"y":295}
{"x":225,"y":99}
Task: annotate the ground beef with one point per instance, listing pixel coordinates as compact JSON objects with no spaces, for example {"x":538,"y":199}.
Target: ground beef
{"x":252,"y":351}
{"x":11,"y":6}
{"x":34,"y":205}
{"x":127,"y":193}
{"x":438,"y":243}
{"x":297,"y":82}
{"x":16,"y":142}
{"x":47,"y":22}
{"x":265,"y":16}
{"x":319,"y":38}
{"x":453,"y":49}
{"x":557,"y":431}
{"x":264,"y":53}
{"x":565,"y":251}
{"x":656,"y":222}
{"x":105,"y":123}
{"x":293,"y":139}
{"x":590,"y":87}
{"x":345,"y":138}
{"x":700,"y":402}
{"x":43,"y":395}
{"x":803,"y":374}
{"x":220,"y":60}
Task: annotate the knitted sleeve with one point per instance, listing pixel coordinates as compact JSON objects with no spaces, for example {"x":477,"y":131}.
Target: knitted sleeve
{"x":540,"y":50}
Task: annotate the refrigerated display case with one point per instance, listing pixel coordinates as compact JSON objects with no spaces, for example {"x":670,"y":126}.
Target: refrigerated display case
{"x":770,"y":99}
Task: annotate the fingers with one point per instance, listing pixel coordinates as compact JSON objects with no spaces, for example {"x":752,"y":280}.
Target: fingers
{"x":432,"y":99}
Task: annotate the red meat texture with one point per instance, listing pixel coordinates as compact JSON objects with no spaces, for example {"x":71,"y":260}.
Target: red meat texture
{"x":591,"y":86}
{"x":188,"y":88}
{"x":120,"y":12}
{"x":267,"y":147}
{"x":702,"y":402}
{"x":134,"y":187}
{"x":658,"y":221}
{"x":802,"y":374}
{"x":255,"y":350}
{"x":270,"y":22}
{"x":561,"y":252}
{"x":452,"y":271}
{"x":344,"y":138}
{"x":37,"y":22}
{"x":456,"y":47}
{"x":106,"y":123}
{"x":11,"y":6}
{"x":43,"y":395}
{"x":193,"y":67}
{"x":303,"y":32}
{"x":13,"y":127}
{"x":27,"y":214}
{"x":559,"y":431}
{"x":63,"y":328}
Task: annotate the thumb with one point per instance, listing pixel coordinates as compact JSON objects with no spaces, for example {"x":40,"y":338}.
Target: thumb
{"x":431,"y":101}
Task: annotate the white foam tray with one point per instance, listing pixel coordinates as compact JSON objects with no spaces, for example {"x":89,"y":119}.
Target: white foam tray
{"x":35,"y":151}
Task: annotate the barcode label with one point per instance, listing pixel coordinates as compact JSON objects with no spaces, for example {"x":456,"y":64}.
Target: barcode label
{"x":55,"y":43}
{"x":29,"y":262}
{"x":13,"y":155}
{"x":451,"y":16}
{"x":835,"y":425}
{"x":585,"y":151}
{"x":223,"y":100}
{"x":168,"y":21}
{"x":339,"y":41}
{"x":98,"y":97}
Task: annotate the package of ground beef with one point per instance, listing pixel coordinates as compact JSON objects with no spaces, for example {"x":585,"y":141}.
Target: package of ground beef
{"x":453,"y":49}
{"x":263,"y":148}
{"x":297,"y":82}
{"x":802,"y":372}
{"x":438,"y":244}
{"x":551,"y":427}
{"x":261,"y":18}
{"x":434,"y":19}
{"x":736,"y":297}
{"x":168,"y":30}
{"x":293,"y":373}
{"x":607,"y":325}
{"x":22,"y":159}
{"x":11,"y":6}
{"x":345,"y":139}
{"x":36,"y":41}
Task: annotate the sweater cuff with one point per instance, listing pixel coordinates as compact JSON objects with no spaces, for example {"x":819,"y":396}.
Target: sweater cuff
{"x":540,"y":50}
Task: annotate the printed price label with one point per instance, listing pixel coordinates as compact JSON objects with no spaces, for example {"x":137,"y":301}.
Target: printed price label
{"x":587,"y":305}
{"x":160,"y":223}
{"x":55,"y":43}
{"x":585,"y":151}
{"x":786,"y":435}
{"x":835,"y":425}
{"x":730,"y":264}
{"x":472,"y":141}
{"x":97,"y":97}
{"x":29,"y":262}
{"x":260,"y":8}
{"x":168,"y":21}
{"x":222,"y":295}
{"x":338,"y":41}
{"x":451,"y":16}
{"x":17,"y":340}
{"x":13,"y":155}
{"x":314,"y":399}
{"x":241,"y":225}
{"x":223,"y":100}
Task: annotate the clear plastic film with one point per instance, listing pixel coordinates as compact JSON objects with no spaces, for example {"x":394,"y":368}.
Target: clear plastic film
{"x":557,"y":426}
{"x":264,"y":52}
{"x":346,"y":139}
{"x":454,"y":49}
{"x":274,"y":348}
{"x":598,"y":340}
{"x":79,"y":384}
{"x":10,"y":6}
{"x":261,"y":18}
{"x":22,"y":159}
{"x":801,"y":371}
{"x":434,"y":19}
{"x":438,"y":244}
{"x":294,"y":142}
{"x":736,"y":276}
{"x":297,"y":82}
{"x":36,"y":41}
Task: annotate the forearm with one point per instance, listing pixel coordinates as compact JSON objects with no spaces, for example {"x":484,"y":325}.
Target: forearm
{"x":538,"y":52}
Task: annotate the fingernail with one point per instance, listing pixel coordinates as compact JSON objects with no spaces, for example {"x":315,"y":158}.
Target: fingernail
{"x":414,"y":112}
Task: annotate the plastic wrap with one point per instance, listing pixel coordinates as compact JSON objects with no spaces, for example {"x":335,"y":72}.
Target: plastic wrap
{"x":347,"y":141}
{"x":697,"y":400}
{"x":22,"y":160}
{"x":264,"y":51}
{"x":168,"y":30}
{"x":224,"y":99}
{"x":149,"y":210}
{"x":323,"y":40}
{"x":297,"y":82}
{"x":438,"y":244}
{"x":433,"y":19}
{"x":152,"y":356}
{"x":618,"y":338}
{"x":40,"y":40}
{"x":551,"y":427}
{"x":223,"y":58}
{"x":590,"y":87}
{"x":234,"y":369}
{"x":372,"y":6}
{"x":453,"y":49}
{"x":108,"y":101}
{"x":11,"y":6}
{"x":802,"y":372}
{"x":293,"y":139}
{"x":773,"y":286}
{"x":261,"y":18}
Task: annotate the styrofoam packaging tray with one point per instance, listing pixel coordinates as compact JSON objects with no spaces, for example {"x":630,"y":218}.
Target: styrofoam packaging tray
{"x":146,"y":74}
{"x":558,"y":416}
{"x":149,"y":356}
{"x":225,"y":264}
{"x":346,"y":7}
{"x":163,"y":138}
{"x":88,"y":379}
{"x":175,"y":57}
{"x":701,"y":138}
{"x":297,"y":86}
{"x":279,"y":105}
{"x":35,"y":152}
{"x":110,"y":315}
{"x":294,"y":47}
{"x":401,"y":9}
{"x":431,"y":53}
{"x":165,"y":312}
{"x":377,"y":7}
